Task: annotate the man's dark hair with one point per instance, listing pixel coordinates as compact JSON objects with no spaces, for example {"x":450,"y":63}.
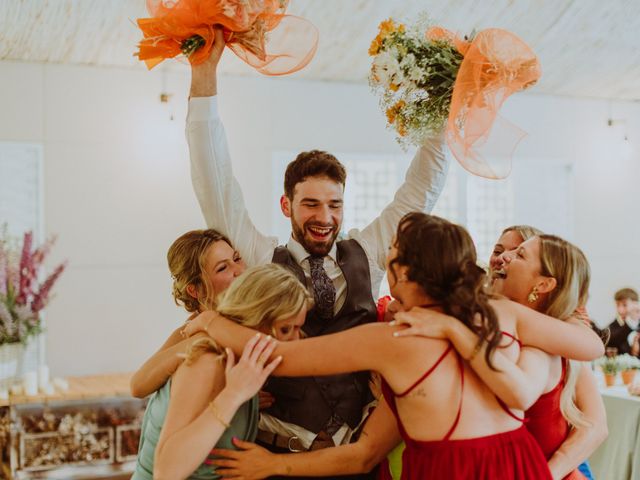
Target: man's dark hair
{"x":626,"y":294}
{"x":315,"y":163}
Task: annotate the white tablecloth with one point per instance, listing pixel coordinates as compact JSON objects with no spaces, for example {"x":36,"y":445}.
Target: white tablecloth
{"x":618,"y":458}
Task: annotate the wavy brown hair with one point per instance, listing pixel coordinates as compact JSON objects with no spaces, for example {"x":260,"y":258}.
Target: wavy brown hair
{"x":441,"y":259}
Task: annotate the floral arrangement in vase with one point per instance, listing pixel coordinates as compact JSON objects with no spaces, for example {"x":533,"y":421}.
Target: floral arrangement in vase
{"x":24,"y":292}
{"x":610,"y":367}
{"x":628,"y":365}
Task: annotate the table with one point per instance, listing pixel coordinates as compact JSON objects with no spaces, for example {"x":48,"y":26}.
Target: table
{"x":618,"y":458}
{"x":90,"y":430}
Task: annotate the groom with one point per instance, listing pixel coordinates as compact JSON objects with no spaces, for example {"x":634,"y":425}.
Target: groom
{"x":344,"y":276}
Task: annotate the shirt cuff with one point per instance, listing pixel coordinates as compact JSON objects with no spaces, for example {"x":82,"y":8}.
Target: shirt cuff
{"x":202,"y":109}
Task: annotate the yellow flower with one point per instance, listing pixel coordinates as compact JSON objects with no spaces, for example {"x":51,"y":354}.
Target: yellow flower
{"x":391,"y":115}
{"x":393,"y":111}
{"x":393,"y":87}
{"x":386,"y":28}
{"x":375,"y":46}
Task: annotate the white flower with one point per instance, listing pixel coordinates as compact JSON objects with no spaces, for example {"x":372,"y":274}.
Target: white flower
{"x":386,"y":69}
{"x":416,"y":74}
{"x":408,"y":61}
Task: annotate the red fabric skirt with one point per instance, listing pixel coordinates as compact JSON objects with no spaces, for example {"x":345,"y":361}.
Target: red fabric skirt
{"x":510,"y":456}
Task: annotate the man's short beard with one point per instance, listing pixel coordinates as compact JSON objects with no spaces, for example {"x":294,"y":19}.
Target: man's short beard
{"x":314,"y":248}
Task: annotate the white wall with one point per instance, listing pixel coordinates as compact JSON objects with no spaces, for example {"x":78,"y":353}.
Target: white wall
{"x":117,"y":186}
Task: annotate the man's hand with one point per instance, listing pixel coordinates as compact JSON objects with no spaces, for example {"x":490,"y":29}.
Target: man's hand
{"x":250,"y":462}
{"x":266,"y":400}
{"x":204,"y":81}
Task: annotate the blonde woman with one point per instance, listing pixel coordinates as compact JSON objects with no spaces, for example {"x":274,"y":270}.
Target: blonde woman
{"x":205,"y":403}
{"x":510,"y":238}
{"x":551,"y":276}
{"x":203,"y":263}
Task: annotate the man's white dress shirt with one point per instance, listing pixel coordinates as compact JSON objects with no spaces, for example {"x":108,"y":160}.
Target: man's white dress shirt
{"x":223,"y":207}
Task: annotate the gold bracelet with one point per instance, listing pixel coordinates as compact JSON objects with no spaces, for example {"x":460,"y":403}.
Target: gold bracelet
{"x":206,"y":329}
{"x":476,"y":350}
{"x":216,"y":413}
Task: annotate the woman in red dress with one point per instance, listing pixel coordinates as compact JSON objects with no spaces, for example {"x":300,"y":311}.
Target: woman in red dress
{"x":552,"y":276}
{"x":453,"y":425}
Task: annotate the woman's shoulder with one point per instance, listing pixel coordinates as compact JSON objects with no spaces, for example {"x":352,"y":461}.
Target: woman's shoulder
{"x":501,"y":304}
{"x":207,"y":367}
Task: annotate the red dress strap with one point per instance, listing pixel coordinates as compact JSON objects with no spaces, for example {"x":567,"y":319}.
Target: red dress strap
{"x":509,"y":412}
{"x":513,"y":339}
{"x":391,"y":396}
{"x":457,"y":420}
{"x":426,"y":374}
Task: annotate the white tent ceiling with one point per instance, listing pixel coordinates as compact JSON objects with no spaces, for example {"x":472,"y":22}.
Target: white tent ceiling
{"x":588,"y":48}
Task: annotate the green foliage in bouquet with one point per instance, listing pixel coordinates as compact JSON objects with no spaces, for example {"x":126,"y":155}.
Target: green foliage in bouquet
{"x":415,"y":77}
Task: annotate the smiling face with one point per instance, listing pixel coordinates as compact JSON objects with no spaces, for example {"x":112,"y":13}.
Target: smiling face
{"x":222,"y":264}
{"x":520,"y":272}
{"x":316,"y":212}
{"x":508,"y":241}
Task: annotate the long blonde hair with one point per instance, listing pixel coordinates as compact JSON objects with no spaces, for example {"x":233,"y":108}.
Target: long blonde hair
{"x":569,"y":266}
{"x":258,"y":298}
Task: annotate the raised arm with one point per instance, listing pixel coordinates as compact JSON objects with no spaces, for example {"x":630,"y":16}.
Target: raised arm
{"x":379,"y":436}
{"x":422,"y":186}
{"x":582,"y":441}
{"x":202,"y":404}
{"x":216,"y":188}
{"x":517,"y":384}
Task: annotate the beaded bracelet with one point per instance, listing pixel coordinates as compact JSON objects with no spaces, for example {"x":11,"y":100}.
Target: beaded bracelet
{"x":216,"y":413}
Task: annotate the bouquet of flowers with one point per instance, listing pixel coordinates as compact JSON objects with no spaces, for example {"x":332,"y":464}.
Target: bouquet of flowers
{"x":258,"y":31}
{"x":429,"y":78}
{"x":22,"y":294}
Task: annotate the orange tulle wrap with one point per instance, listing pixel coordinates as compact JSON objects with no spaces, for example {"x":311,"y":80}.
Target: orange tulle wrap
{"x":496,"y":64}
{"x":289,"y":46}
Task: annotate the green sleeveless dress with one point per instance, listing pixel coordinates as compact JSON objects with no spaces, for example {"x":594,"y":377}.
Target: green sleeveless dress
{"x":244,"y":426}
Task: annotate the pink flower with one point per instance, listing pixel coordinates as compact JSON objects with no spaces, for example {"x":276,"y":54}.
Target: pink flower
{"x":40,"y":299}
{"x":3,"y":272}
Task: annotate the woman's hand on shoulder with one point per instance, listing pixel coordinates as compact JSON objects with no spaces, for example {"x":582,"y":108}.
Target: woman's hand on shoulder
{"x":423,"y":322}
{"x":244,"y":379}
{"x":199,"y":323}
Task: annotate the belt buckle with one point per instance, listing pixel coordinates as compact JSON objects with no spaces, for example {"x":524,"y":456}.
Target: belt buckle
{"x":292,"y":448}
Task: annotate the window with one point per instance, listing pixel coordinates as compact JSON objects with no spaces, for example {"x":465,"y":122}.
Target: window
{"x":21,"y":191}
{"x":538,"y":193}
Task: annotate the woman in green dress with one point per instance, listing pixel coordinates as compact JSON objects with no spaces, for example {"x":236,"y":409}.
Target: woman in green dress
{"x":206,"y":403}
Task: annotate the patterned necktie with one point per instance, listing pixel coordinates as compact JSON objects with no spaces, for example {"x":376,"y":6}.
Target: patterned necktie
{"x":324,"y":292}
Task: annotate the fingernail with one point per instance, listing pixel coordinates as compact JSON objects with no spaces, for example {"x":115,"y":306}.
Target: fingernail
{"x":395,"y":334}
{"x":392,"y":322}
{"x":258,"y":334}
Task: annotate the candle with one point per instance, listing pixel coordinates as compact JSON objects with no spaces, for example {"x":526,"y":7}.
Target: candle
{"x":43,"y":376}
{"x":30,"y":382}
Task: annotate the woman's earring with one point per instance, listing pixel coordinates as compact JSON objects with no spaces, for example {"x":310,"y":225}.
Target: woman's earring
{"x":533,"y":296}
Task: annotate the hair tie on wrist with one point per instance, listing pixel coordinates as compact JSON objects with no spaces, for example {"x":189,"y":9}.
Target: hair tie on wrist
{"x":216,"y":414}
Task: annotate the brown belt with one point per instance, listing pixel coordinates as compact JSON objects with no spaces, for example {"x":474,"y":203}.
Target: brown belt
{"x":293,"y":444}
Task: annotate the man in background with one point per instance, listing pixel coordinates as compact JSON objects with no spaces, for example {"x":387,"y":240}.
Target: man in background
{"x":625,"y":326}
